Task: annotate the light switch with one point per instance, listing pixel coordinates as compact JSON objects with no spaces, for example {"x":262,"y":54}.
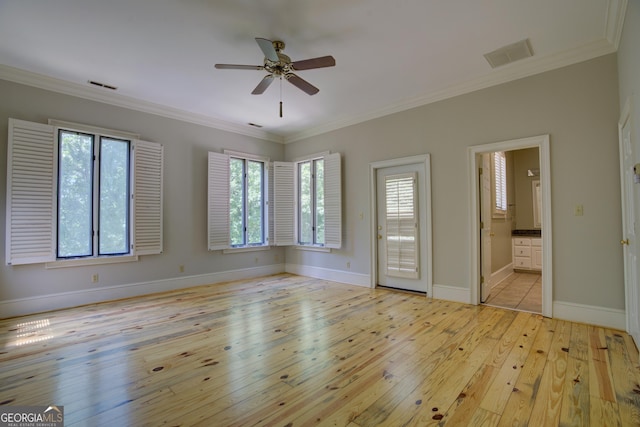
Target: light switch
{"x":579,"y":211}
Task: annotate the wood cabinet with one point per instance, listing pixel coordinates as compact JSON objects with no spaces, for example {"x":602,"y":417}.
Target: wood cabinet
{"x":527,"y":253}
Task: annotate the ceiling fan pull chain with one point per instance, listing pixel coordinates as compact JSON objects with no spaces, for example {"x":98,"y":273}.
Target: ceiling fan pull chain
{"x":281,"y":96}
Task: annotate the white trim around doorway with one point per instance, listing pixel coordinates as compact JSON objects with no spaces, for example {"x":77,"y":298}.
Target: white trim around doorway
{"x":542,"y":143}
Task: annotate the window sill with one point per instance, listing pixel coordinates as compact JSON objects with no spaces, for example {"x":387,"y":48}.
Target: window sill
{"x":312,"y":248}
{"x":80,"y":262}
{"x":245,"y":249}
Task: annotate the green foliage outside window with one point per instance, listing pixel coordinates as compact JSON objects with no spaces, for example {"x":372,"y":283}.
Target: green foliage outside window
{"x":246,"y":202}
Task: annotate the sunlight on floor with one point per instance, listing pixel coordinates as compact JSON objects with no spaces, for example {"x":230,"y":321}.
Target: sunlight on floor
{"x":31,"y":332}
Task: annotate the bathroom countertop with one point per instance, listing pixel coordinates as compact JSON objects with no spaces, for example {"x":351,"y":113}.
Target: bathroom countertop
{"x":527,"y":233}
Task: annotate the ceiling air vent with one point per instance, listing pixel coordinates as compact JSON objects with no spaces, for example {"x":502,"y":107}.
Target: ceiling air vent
{"x":104,"y":85}
{"x":510,"y":53}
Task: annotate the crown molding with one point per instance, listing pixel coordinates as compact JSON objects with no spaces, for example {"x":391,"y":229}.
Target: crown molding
{"x":517,"y":70}
{"x":614,"y":21}
{"x":40,"y":81}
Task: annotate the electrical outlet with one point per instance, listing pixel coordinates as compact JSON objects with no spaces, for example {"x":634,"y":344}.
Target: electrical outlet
{"x":579,"y":210}
{"x":95,"y":278}
{"x":181,"y":268}
{"x":256,"y":259}
{"x":348,"y":264}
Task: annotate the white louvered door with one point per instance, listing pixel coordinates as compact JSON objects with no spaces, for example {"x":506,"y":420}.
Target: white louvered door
{"x":399,"y":223}
{"x":31,"y":193}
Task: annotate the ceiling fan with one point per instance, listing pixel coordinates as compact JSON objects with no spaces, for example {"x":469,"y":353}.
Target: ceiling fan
{"x":280,"y":66}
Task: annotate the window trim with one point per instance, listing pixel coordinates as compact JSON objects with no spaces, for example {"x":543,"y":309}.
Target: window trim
{"x":265,"y":200}
{"x":313,"y":186}
{"x":96,"y":147}
{"x":296,"y":168}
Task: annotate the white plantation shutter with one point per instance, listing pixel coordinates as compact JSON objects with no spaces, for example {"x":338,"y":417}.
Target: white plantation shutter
{"x":500,"y":181}
{"x":284,"y":204}
{"x":218,"y":230}
{"x":270,"y":211}
{"x":402,"y":225}
{"x":332,"y":201}
{"x":31,"y":193}
{"x":147,"y":197}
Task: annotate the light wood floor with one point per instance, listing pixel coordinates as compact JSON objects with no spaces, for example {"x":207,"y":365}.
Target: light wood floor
{"x":292,"y":351}
{"x":519,"y":291}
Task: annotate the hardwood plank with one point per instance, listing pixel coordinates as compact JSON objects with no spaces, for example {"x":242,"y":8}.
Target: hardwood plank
{"x":575,"y":400}
{"x":548,"y":401}
{"x":525,"y":390}
{"x":287,"y":349}
{"x":626,"y":383}
{"x":503,"y":383}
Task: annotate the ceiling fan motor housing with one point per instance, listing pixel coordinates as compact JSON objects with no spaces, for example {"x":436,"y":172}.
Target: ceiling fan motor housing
{"x":281,"y":67}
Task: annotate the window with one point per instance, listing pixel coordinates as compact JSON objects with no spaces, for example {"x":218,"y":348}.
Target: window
{"x":307,"y":202}
{"x":499,"y":183}
{"x":237,"y":201}
{"x":311,"y":202}
{"x":75,"y":192}
{"x":93,"y":195}
{"x":246,"y":202}
{"x":401,"y":216}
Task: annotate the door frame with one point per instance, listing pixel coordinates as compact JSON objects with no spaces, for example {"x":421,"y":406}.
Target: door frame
{"x":424,"y":190}
{"x":542,"y":143}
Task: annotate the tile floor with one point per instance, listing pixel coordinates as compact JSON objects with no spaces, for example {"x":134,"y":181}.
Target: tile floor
{"x":519,"y":291}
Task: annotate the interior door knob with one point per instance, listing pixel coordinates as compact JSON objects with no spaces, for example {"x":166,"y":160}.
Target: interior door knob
{"x":624,"y":242}
{"x":379,"y":236}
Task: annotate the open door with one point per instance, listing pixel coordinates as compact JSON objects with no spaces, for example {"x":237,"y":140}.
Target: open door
{"x":629,"y":236}
{"x":485,"y":226}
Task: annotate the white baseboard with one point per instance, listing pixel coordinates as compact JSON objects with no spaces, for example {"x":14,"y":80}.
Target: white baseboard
{"x":593,"y":315}
{"x":500,"y":275}
{"x":452,"y":293}
{"x":24,"y":306}
{"x":347,"y":277}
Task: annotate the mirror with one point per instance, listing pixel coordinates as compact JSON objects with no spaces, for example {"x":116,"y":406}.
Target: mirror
{"x":537,"y":203}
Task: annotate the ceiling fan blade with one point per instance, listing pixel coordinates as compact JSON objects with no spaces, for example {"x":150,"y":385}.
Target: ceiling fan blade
{"x":302,"y":84}
{"x":268,"y":49}
{"x":238,"y":67}
{"x":263,"y":85}
{"x":308,"y":64}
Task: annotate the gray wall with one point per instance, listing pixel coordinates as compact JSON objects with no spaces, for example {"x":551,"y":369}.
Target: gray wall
{"x":524,"y":160}
{"x":185,"y":195}
{"x":629,"y":64}
{"x":577,"y":106}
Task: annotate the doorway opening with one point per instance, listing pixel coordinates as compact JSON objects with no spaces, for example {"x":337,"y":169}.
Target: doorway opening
{"x":510,"y":255}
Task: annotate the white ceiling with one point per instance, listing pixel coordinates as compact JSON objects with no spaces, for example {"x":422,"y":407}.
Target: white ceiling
{"x":390,"y":55}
